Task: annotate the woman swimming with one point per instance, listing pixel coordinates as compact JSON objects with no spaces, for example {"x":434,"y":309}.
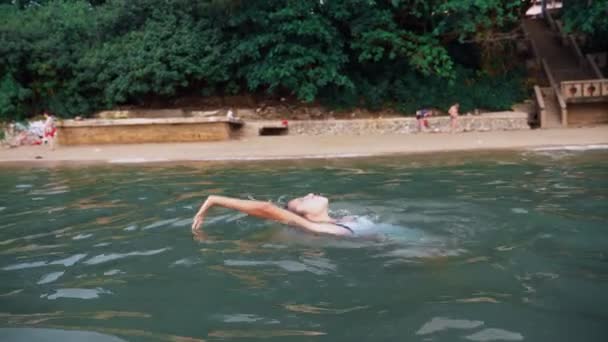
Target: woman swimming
{"x":309,"y":213}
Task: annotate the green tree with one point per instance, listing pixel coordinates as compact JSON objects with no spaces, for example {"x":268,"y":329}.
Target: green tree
{"x":589,"y":17}
{"x":287,"y":47}
{"x":74,"y":57}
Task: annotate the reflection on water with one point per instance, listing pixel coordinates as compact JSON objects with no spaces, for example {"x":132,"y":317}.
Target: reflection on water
{"x":42,"y":335}
{"x":75,"y":293}
{"x":310,"y":309}
{"x":67,"y":262}
{"x":495,"y":335}
{"x":224,"y":334}
{"x":490,"y":247}
{"x":440,"y":323}
{"x":318,"y":266}
{"x":50,"y":277}
{"x":98,"y":259}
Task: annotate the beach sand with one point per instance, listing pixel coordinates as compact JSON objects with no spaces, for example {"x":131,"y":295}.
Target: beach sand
{"x":299,"y":147}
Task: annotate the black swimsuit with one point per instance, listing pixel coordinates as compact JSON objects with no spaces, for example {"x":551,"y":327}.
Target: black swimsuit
{"x":334,"y":223}
{"x":345,"y":227}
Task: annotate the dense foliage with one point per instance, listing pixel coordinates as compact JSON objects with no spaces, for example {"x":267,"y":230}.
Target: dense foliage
{"x":589,"y":17}
{"x":73,"y":57}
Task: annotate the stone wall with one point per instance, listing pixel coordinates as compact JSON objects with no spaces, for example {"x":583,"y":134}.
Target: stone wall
{"x":194,"y":129}
{"x":130,"y":131}
{"x":158,"y":114}
{"x":587,"y":114}
{"x":503,"y":121}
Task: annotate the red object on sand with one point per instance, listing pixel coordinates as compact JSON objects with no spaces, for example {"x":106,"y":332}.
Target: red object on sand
{"x":51,"y":133}
{"x":284,"y":122}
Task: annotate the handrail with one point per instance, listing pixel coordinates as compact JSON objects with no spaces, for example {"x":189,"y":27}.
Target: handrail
{"x":558,"y":94}
{"x":550,"y":20}
{"x":567,"y":39}
{"x":541,"y":106}
{"x":535,"y":52}
{"x":577,"y":49}
{"x":539,"y":97}
{"x":524,"y":30}
{"x":561,"y":32}
{"x":594,"y":66}
{"x":586,"y":81}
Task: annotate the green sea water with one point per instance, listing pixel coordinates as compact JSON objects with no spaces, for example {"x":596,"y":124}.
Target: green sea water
{"x":473,"y":247}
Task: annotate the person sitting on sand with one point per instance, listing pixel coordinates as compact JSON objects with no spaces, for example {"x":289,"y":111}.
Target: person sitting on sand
{"x":421,"y":116}
{"x":453,"y":111}
{"x":309,"y":213}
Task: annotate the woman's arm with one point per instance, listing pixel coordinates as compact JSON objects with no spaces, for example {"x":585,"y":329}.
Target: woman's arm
{"x":254,"y":208}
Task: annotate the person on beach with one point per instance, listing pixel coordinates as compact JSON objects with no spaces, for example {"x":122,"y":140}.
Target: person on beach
{"x":309,"y":212}
{"x":453,"y":112}
{"x":421,"y":117}
{"x":50,"y":130}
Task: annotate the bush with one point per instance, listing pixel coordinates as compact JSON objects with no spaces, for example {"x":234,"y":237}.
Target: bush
{"x":12,"y":98}
{"x":408,"y":91}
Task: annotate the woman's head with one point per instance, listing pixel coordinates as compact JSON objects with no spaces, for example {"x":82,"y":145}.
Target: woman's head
{"x":312,"y":207}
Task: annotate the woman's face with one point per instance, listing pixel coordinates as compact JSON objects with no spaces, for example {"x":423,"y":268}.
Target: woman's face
{"x":309,"y":205}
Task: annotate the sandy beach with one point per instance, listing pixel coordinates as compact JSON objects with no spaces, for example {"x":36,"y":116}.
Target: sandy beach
{"x":299,"y":147}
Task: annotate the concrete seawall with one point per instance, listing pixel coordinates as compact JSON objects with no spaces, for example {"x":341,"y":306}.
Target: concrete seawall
{"x":502,"y":121}
{"x":156,"y":129}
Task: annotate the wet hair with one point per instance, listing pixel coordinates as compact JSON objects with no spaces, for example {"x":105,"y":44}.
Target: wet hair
{"x":286,"y":207}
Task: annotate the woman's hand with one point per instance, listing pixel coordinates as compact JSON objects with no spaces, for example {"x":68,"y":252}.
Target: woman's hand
{"x":199,"y":218}
{"x":197,"y":222}
{"x":200,"y":235}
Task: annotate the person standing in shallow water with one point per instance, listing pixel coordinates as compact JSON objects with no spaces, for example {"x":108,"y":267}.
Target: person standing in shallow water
{"x":310,"y":212}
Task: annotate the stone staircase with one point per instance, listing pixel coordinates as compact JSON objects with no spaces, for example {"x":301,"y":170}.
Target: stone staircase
{"x":552,"y":110}
{"x":562,"y":62}
{"x":561,"y":59}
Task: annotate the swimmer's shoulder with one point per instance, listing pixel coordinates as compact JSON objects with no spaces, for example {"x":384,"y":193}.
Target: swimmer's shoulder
{"x":347,"y":219}
{"x":330,"y":228}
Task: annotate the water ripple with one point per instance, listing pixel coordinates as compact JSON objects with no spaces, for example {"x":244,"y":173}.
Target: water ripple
{"x":440,"y":323}
{"x":76,"y":293}
{"x":98,"y":259}
{"x":67,"y":262}
{"x":495,"y":335}
{"x":318,"y":267}
{"x":49,"y":278}
{"x":40,"y":335}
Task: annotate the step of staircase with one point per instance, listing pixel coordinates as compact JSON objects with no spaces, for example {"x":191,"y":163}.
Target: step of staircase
{"x":561,"y":59}
{"x":552,"y":109}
